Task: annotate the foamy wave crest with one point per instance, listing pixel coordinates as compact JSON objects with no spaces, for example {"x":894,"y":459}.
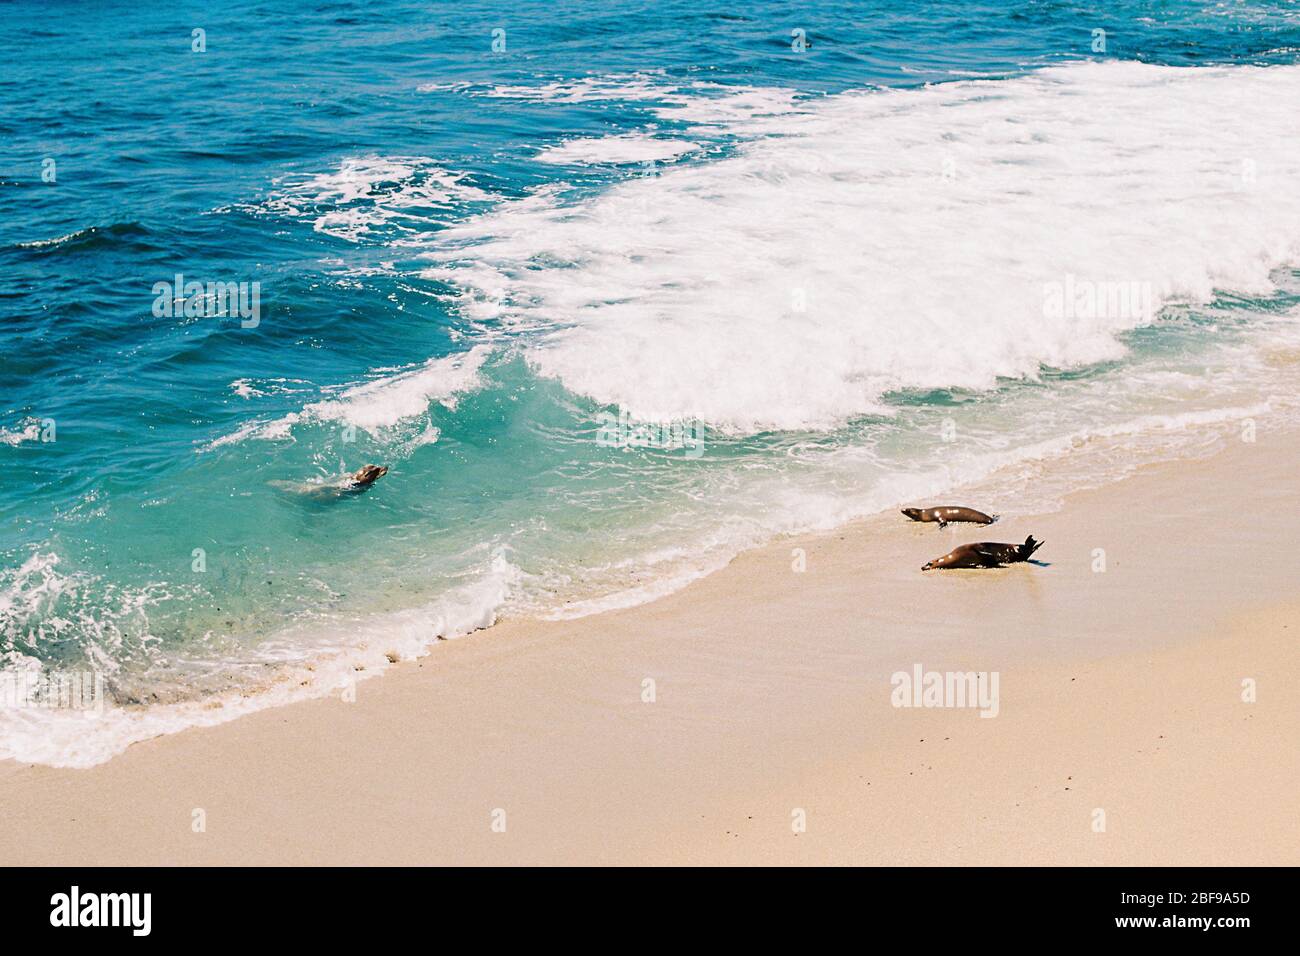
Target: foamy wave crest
{"x":712,"y":110}
{"x":381,"y":403}
{"x":36,"y":583}
{"x":385,"y":401}
{"x":628,"y":86}
{"x":258,"y":388}
{"x":616,"y":150}
{"x":326,"y":661}
{"x":371,"y":194}
{"x":871,"y":242}
{"x":703,"y":103}
{"x":43,"y":606}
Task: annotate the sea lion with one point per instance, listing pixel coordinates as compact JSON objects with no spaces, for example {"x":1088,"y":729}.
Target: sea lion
{"x":368,"y":475}
{"x":946,"y":514}
{"x":985,"y":554}
{"x":335,"y":488}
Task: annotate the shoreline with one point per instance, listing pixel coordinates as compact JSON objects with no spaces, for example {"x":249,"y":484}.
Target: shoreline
{"x":771,"y":693}
{"x":1035,"y":481}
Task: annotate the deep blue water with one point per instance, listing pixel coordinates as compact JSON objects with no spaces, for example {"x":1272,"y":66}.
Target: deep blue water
{"x":322,"y":153}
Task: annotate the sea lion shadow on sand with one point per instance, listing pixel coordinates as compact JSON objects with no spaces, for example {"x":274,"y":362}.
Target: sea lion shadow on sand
{"x":334,"y":489}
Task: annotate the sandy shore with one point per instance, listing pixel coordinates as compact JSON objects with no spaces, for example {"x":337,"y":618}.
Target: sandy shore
{"x":1121,"y":737}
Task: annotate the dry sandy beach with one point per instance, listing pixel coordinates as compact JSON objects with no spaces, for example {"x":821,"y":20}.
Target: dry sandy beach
{"x":1122,"y":735}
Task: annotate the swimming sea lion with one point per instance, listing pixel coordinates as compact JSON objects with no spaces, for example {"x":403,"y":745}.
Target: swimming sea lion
{"x":985,"y":554}
{"x":369,"y":475}
{"x":945,"y":514}
{"x":327,"y":489}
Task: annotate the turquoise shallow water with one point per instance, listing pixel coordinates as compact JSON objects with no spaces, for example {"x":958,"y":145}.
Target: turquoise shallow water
{"x":644,"y":286}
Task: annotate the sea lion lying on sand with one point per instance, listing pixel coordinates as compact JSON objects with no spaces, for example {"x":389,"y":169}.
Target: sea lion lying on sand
{"x":352,"y":484}
{"x":985,"y":554}
{"x":946,"y":514}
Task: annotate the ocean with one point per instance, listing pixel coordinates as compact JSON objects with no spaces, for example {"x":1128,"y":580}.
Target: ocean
{"x":615,"y":290}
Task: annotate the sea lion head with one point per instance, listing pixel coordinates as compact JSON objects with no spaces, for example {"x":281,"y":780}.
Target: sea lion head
{"x":913,"y":513}
{"x":370,"y":474}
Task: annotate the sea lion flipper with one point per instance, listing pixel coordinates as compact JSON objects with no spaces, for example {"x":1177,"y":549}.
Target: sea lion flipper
{"x":1029,"y":547}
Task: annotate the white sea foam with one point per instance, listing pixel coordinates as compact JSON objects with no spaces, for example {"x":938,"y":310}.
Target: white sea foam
{"x":34,"y":584}
{"x":369,"y":194}
{"x":27,"y":430}
{"x":326,"y":660}
{"x":259,"y":387}
{"x":616,"y":150}
{"x":381,"y":403}
{"x":626,"y":86}
{"x":387,"y":400}
{"x":42,"y":604}
{"x":702,"y":102}
{"x":711,"y":108}
{"x":875,"y":241}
